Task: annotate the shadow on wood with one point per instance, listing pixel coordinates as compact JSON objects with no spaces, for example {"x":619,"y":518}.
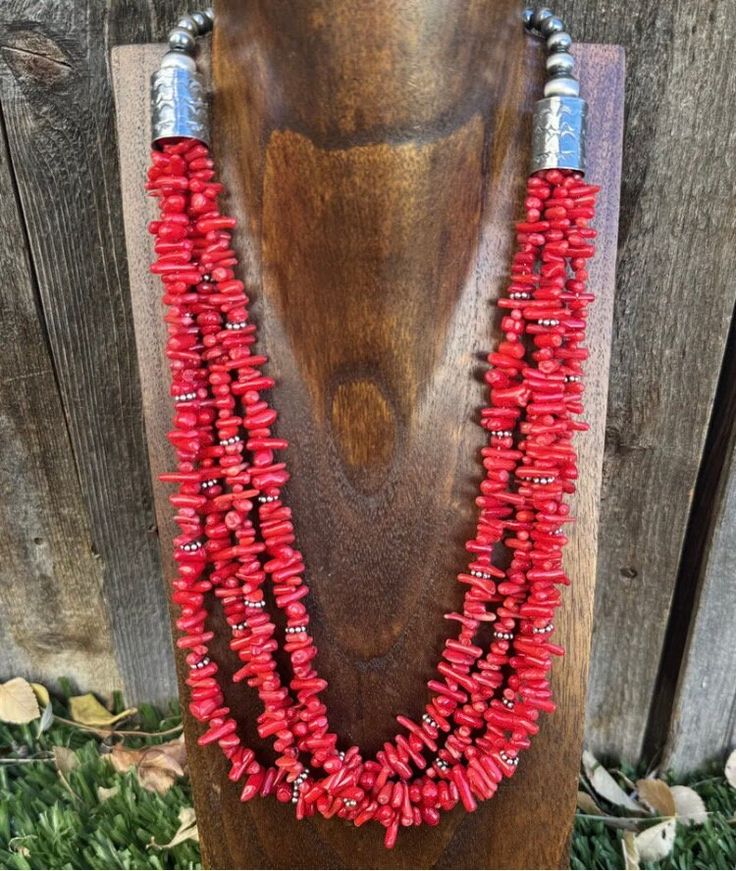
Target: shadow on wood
{"x":376,"y":160}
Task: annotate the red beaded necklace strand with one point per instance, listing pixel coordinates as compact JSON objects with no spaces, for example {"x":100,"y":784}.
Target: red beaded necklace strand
{"x":236,"y":536}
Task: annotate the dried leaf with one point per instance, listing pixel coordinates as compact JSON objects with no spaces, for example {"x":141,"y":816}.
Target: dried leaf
{"x":605,"y":786}
{"x":657,"y":796}
{"x":104,"y":792}
{"x":160,"y":766}
{"x":65,"y":760}
{"x":47,"y":718}
{"x":656,"y":842}
{"x":690,"y":806}
{"x":89,"y":712}
{"x":630,"y":851}
{"x":730,"y":771}
{"x":587,"y":805}
{"x":18,"y":702}
{"x":187,"y":830}
{"x":123,"y":758}
{"x":42,"y":694}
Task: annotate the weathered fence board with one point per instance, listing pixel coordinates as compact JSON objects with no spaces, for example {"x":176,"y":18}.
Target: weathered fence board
{"x":57,"y":107}
{"x":674,"y":301}
{"x":53,"y":617}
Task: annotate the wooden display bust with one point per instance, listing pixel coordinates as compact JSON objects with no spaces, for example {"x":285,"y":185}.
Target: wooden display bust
{"x":376,"y":156}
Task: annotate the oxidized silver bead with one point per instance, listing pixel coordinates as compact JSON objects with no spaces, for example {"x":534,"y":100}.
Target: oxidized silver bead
{"x":560,"y":63}
{"x":527,"y":17}
{"x":559,"y":41}
{"x":551,"y":25}
{"x":209,"y":13}
{"x":187,"y":24}
{"x":182,"y":40}
{"x":541,"y":15}
{"x":562,"y":86}
{"x":204,"y":25}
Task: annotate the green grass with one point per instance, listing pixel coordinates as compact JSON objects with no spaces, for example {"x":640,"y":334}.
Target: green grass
{"x":48,"y":821}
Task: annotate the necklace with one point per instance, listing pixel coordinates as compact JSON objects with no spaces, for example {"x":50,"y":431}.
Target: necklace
{"x":237,"y":542}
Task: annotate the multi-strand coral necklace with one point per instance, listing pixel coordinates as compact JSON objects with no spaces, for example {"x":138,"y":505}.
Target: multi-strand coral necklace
{"x":237,"y":541}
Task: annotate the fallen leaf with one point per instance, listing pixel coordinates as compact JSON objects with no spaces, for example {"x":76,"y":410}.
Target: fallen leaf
{"x":161,"y":765}
{"x":187,"y":830}
{"x":630,"y":851}
{"x":657,"y":796}
{"x":604,"y":785}
{"x":730,"y":771}
{"x":65,"y":760}
{"x":656,"y":842}
{"x":42,"y":694}
{"x":89,"y":712}
{"x":124,"y":758}
{"x":18,"y":702}
{"x":587,"y":805}
{"x":104,"y":792}
{"x":690,"y":806}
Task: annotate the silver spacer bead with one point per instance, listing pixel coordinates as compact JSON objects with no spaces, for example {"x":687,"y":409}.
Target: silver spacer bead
{"x":185,"y":397}
{"x":560,"y":63}
{"x":187,"y":23}
{"x":204,"y":24}
{"x":562,"y":86}
{"x":551,"y":25}
{"x":560,"y":41}
{"x":540,"y":16}
{"x":181,"y":39}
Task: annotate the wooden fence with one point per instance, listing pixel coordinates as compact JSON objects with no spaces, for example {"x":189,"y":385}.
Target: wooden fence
{"x":80,"y":590}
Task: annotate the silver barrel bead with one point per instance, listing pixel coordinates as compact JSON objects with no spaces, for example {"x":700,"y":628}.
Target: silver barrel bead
{"x":179,"y":103}
{"x":558,"y":133}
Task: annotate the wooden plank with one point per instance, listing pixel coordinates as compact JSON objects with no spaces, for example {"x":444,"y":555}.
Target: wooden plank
{"x":59,"y":118}
{"x":262,"y":834}
{"x":674,"y":303}
{"x":702,"y":726}
{"x":54,"y":620}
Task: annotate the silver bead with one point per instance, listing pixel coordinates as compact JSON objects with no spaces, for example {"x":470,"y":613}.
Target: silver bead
{"x":209,"y":13}
{"x":178,"y":60}
{"x":204,"y":25}
{"x":527,"y":16}
{"x":562,"y":86}
{"x":187,"y":24}
{"x":181,"y":40}
{"x":541,"y":15}
{"x":560,"y":63}
{"x":551,"y":25}
{"x":559,"y":41}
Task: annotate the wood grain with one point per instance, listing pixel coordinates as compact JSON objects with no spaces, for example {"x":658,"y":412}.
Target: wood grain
{"x":674,"y":302}
{"x":54,"y":620}
{"x":57,"y":105}
{"x":373,"y":240}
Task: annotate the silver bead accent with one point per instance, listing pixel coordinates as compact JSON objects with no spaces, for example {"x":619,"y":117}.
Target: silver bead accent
{"x":178,"y":60}
{"x":187,"y":24}
{"x":559,"y":41}
{"x":551,"y":25}
{"x":527,"y":17}
{"x":558,"y":132}
{"x":209,"y":13}
{"x":182,"y":40}
{"x":185,"y":397}
{"x":540,"y":16}
{"x":562,"y":86}
{"x":204,"y":24}
{"x":560,"y":62}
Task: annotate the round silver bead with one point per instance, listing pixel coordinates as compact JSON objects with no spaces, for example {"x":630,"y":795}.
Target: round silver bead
{"x":179,"y":60}
{"x":527,"y":17}
{"x":559,"y":41}
{"x":562,"y":86}
{"x":181,"y":40}
{"x":209,"y":13}
{"x":204,"y":25}
{"x":541,"y":15}
{"x":560,"y":63}
{"x":551,"y":25}
{"x":187,"y":24}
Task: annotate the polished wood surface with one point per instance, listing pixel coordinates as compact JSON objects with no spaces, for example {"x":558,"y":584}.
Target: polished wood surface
{"x":376,"y":181}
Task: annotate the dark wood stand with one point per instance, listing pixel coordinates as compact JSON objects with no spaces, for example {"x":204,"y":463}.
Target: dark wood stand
{"x":376,"y":156}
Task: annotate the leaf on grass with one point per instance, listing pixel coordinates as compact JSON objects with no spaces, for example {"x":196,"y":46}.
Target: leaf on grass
{"x":18,"y":702}
{"x":730,"y":771}
{"x":656,"y":842}
{"x":587,"y":805}
{"x":630,"y":851}
{"x":65,"y":760}
{"x":89,"y":712}
{"x":187,"y":830}
{"x":690,"y":806}
{"x":604,"y":785}
{"x":657,"y":796}
{"x":42,"y":694}
{"x":157,"y":767}
{"x":104,"y":792}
